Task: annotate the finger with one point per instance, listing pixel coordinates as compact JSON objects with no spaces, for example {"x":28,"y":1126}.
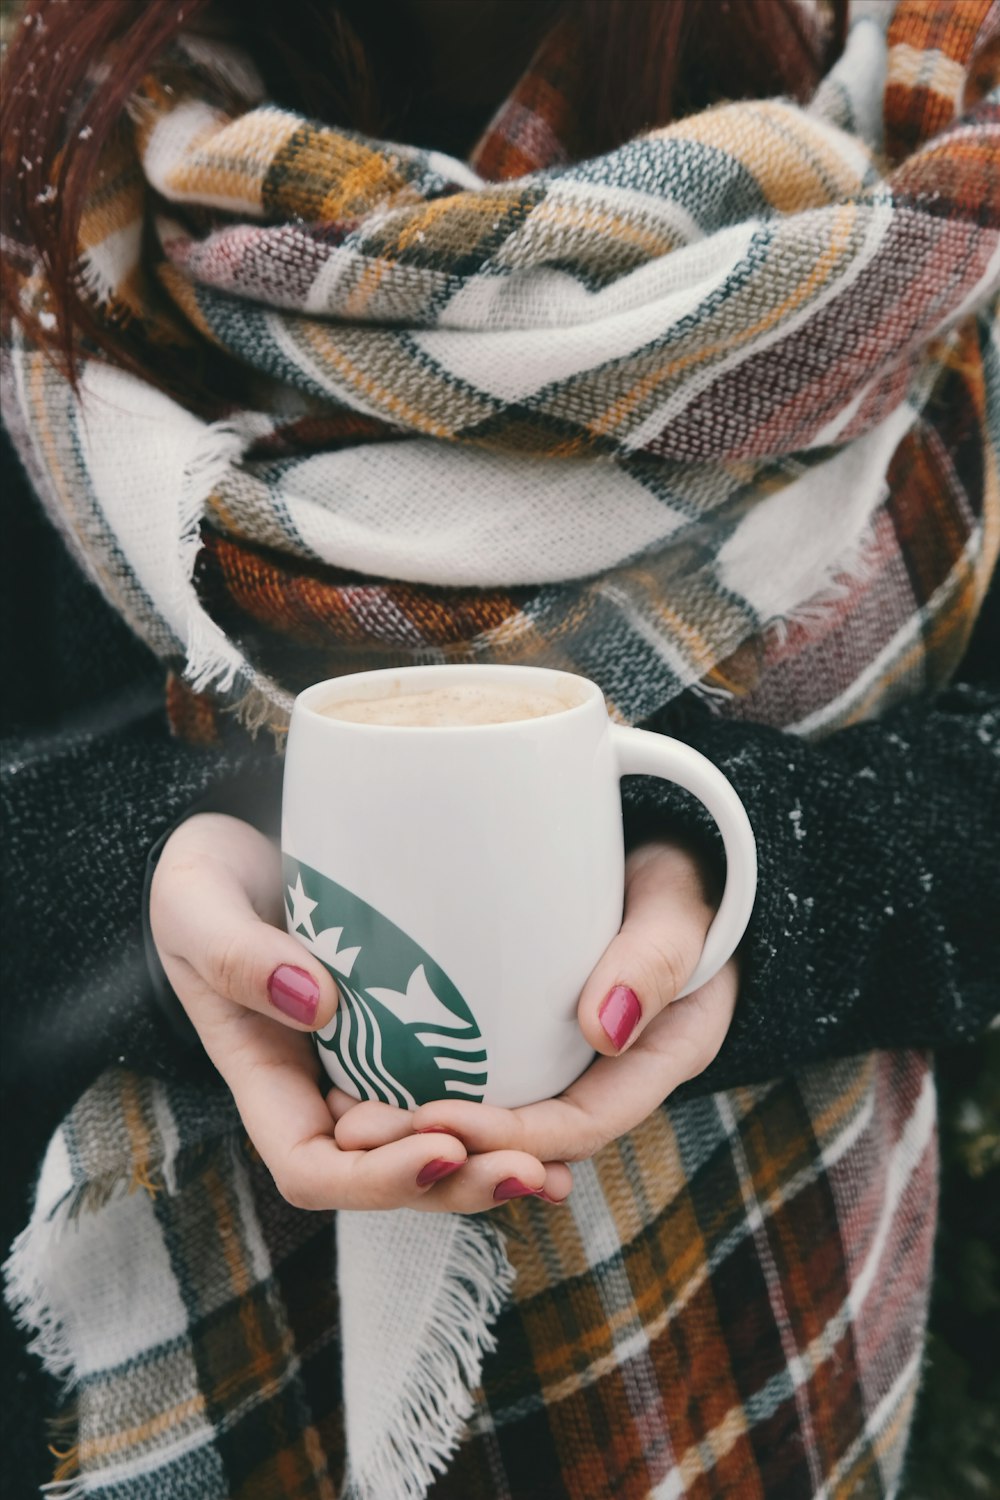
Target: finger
{"x":338,"y":1102}
{"x":366,"y":1125}
{"x":615,"y":1095}
{"x":480,"y":1127}
{"x":646,"y":965}
{"x":205,"y":925}
{"x":486,"y":1182}
{"x":558,"y":1182}
{"x":578,"y":1130}
{"x":272,"y":1076}
{"x":612,"y":1097}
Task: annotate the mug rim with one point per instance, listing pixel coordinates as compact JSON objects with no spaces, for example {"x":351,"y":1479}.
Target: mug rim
{"x":307,"y":703}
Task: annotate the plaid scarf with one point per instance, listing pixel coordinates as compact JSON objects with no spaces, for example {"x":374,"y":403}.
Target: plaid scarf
{"x":623,"y":416}
{"x":716,"y":411}
{"x":731,"y":1303}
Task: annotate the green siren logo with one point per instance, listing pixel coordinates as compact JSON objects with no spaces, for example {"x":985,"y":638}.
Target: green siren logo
{"x":402,"y":1032}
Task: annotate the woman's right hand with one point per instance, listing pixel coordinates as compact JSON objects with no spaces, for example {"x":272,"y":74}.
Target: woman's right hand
{"x":254,"y":995}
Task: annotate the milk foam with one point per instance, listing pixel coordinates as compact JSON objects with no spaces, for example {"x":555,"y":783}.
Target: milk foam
{"x":463,"y":704}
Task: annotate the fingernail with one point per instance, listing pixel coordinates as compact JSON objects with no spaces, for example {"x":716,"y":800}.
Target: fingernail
{"x":619,"y":1014}
{"x":433,"y":1130}
{"x":547,"y":1197}
{"x":435,"y":1170}
{"x":294,"y":992}
{"x":512,"y":1187}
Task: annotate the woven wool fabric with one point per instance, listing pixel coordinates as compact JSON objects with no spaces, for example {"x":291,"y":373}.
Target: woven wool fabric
{"x":714,"y":409}
{"x":619,"y":415}
{"x":732,"y":1303}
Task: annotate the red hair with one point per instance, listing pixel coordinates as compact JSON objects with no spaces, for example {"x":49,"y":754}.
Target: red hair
{"x":647,"y":62}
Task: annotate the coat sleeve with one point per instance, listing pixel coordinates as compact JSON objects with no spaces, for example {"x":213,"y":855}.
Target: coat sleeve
{"x":877,"y":922}
{"x":90,"y":777}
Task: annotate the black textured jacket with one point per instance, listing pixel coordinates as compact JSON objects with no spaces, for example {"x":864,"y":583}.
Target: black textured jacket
{"x":877,"y":922}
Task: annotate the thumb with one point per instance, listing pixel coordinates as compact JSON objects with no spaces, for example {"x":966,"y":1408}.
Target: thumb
{"x":646,"y":965}
{"x":209,"y":935}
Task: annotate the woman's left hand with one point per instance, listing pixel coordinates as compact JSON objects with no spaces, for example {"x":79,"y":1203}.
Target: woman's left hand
{"x":651,"y":1042}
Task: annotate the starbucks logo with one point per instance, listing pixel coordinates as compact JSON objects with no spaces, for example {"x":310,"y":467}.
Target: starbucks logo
{"x":402,"y":1032}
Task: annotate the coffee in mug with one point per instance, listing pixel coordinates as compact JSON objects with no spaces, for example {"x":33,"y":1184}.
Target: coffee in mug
{"x":453,"y":853}
{"x":440,"y":707}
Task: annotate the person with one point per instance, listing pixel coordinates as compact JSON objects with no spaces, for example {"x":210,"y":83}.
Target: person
{"x":706,"y":1343}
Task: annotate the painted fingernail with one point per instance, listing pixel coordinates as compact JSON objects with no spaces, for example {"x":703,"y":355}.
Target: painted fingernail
{"x":435,"y":1170}
{"x":294,"y":992}
{"x":619,"y":1014}
{"x":512,"y":1187}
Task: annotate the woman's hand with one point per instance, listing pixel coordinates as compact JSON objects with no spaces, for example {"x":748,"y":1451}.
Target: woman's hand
{"x":651,"y":1042}
{"x":254,"y":994}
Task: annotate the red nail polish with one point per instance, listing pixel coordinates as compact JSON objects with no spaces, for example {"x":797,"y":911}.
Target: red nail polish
{"x":294,"y":992}
{"x":435,"y":1170}
{"x":619,"y":1014}
{"x":512,"y":1187}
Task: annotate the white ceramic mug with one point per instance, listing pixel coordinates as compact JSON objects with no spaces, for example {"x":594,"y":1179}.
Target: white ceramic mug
{"x":461,"y":882}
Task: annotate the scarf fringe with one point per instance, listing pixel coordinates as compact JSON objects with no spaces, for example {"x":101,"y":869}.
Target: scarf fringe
{"x":713,"y":694}
{"x":27,"y":1269}
{"x":212,"y":660}
{"x":96,"y":281}
{"x":265,"y":705}
{"x":214,"y":663}
{"x":859,"y":566}
{"x":427,"y":1428}
{"x":26,"y":1293}
{"x":24,"y":1270}
{"x":67,"y":1482}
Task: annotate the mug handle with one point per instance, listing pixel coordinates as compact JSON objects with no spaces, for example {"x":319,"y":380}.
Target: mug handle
{"x":640,"y":753}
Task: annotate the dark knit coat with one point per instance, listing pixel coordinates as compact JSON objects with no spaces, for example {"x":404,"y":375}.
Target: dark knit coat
{"x":877,"y":922}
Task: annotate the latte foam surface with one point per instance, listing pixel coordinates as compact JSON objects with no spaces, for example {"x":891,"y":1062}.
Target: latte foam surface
{"x":463,"y":704}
